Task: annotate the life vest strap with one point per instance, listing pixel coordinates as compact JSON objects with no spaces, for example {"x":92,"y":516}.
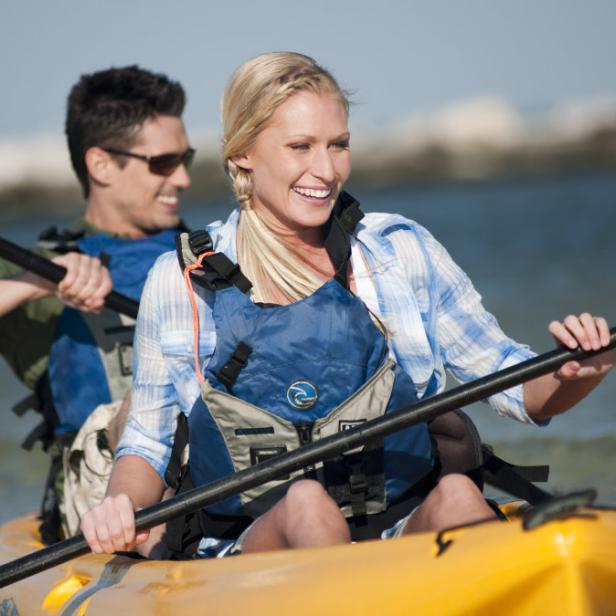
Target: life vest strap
{"x":216,"y":271}
{"x":228,"y":374}
{"x":60,"y":241}
{"x":358,"y":489}
{"x":40,"y":401}
{"x":340,"y":226}
{"x":39,"y":433}
{"x":173,"y":474}
{"x":515,"y":480}
{"x":29,"y":403}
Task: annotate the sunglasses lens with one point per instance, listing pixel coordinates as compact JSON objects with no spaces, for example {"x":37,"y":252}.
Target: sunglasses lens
{"x":189,"y":156}
{"x":166,"y":164}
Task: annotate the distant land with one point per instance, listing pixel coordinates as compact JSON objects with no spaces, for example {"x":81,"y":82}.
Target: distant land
{"x":474,"y":140}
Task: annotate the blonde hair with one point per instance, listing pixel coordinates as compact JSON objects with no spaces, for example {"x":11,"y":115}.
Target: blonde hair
{"x":255,"y":91}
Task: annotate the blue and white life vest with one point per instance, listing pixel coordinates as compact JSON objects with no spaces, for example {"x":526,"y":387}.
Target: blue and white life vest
{"x":282,"y":376}
{"x":305,"y":378}
{"x":90,"y":361}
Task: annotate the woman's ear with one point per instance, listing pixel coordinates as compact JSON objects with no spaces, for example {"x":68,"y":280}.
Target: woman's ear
{"x":243,"y":161}
{"x":99,"y":165}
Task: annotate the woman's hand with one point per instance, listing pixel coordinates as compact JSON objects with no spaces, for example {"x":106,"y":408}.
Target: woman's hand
{"x":590,"y":333}
{"x":558,"y":391}
{"x":110,"y":526}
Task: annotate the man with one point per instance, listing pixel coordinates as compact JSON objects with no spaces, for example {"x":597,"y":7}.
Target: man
{"x":130,"y":152}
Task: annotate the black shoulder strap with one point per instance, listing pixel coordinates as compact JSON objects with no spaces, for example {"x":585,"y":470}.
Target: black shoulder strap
{"x":173,"y":474}
{"x":61,"y":241}
{"x":341,"y":225}
{"x":217,"y":271}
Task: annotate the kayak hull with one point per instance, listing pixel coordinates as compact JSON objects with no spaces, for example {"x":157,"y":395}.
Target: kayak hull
{"x":565,"y":566}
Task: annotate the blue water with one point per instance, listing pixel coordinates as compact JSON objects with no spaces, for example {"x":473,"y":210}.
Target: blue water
{"x":535,"y":249}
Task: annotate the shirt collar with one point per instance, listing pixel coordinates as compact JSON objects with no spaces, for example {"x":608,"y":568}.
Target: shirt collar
{"x":225,"y":235}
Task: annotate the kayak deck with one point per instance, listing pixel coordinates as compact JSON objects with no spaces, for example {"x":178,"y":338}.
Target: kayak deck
{"x":565,"y":566}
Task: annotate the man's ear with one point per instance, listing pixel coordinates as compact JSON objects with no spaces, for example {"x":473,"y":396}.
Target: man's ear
{"x":243,"y":161}
{"x":100,"y":165}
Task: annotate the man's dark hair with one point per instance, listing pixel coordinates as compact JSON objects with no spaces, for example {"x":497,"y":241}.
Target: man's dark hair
{"x":108,"y":108}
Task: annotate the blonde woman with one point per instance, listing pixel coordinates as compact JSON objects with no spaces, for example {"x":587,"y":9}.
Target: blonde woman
{"x":347,"y":318}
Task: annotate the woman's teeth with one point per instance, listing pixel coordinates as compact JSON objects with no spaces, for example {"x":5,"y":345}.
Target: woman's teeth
{"x":313,"y":192}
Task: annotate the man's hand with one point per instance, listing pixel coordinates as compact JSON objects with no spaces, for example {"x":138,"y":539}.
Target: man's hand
{"x":86,"y":284}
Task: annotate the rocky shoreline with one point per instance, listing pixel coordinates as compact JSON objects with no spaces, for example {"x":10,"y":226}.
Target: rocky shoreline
{"x":474,"y":141}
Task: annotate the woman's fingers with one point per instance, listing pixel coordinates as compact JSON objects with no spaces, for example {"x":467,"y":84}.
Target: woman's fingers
{"x":110,"y":526}
{"x":589,"y":332}
{"x":562,"y":334}
{"x":118,"y":539}
{"x":88,"y":528}
{"x":590,"y":329}
{"x":604,"y":330}
{"x":569,"y":370}
{"x":127,"y":522}
{"x":102,"y":521}
{"x":578,"y":330}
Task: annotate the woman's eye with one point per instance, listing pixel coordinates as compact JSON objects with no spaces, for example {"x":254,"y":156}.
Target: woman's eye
{"x":341,"y":145}
{"x":299,"y":146}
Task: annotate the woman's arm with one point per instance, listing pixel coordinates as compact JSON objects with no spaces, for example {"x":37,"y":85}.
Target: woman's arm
{"x":555,"y":393}
{"x":473,"y":345}
{"x":145,"y":446}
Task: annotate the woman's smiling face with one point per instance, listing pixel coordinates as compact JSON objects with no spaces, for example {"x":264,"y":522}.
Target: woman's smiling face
{"x":299,"y":162}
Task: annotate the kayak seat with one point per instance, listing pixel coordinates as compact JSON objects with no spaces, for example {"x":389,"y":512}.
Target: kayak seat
{"x":458,"y":448}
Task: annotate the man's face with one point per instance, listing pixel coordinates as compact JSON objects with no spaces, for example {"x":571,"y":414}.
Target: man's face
{"x":143,"y":202}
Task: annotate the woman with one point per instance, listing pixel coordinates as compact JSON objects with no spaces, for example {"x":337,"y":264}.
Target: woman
{"x":286,"y":151}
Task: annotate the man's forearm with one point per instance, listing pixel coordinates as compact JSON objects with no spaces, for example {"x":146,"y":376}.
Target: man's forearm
{"x":19,"y":290}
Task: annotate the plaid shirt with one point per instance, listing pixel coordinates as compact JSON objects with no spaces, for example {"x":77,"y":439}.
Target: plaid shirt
{"x":433,"y":316}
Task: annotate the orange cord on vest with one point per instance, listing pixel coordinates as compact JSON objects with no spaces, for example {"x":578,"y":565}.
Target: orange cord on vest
{"x":191,"y":295}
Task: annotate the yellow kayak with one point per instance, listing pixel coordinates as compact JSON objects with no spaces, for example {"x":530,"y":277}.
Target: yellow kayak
{"x":563,"y":566}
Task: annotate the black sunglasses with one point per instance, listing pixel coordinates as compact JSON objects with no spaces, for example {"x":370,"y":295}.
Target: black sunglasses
{"x":163,"y":164}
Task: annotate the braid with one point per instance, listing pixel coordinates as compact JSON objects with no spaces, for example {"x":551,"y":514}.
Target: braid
{"x":241,"y":182}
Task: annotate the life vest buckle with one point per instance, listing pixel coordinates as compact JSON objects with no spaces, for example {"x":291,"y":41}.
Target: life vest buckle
{"x":358,"y":483}
{"x":200,"y":242}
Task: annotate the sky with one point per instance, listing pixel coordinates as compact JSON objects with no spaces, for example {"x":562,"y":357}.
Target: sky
{"x":398,"y":58}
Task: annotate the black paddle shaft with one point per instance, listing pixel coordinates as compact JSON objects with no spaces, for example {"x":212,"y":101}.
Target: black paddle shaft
{"x":324,"y":449}
{"x":55,"y":273}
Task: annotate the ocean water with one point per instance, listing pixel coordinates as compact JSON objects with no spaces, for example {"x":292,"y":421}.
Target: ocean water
{"x":535,"y":249}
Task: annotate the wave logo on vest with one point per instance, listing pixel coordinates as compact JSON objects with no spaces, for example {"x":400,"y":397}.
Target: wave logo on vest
{"x":302,"y":395}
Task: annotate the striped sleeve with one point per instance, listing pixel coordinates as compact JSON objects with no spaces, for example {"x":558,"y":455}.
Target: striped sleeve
{"x":470,"y":340}
{"x":151,"y":423}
